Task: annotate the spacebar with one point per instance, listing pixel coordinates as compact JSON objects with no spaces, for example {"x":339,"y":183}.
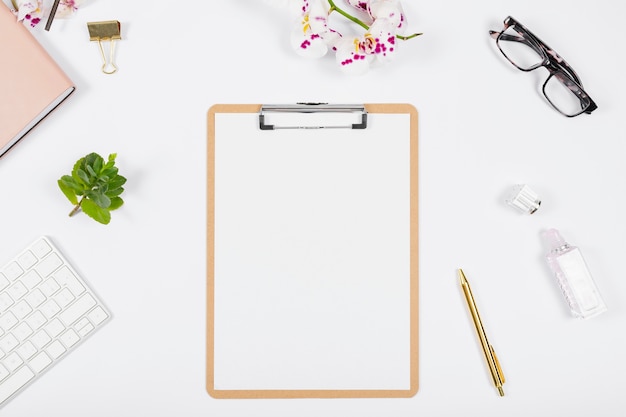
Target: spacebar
{"x":15,"y":382}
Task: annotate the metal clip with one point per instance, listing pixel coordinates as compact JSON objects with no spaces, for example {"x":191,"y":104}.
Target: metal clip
{"x":105,"y":31}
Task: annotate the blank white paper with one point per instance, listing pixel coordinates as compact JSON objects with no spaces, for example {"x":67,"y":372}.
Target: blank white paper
{"x":312,"y":271}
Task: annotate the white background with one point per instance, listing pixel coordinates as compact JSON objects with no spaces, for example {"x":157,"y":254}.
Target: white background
{"x":483,"y":126}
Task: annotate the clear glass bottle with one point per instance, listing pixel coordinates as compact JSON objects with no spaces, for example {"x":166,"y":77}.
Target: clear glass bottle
{"x":572,"y":273}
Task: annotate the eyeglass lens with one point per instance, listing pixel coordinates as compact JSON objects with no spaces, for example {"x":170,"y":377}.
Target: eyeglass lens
{"x":560,"y":90}
{"x":519,"y":50}
{"x":564,"y":95}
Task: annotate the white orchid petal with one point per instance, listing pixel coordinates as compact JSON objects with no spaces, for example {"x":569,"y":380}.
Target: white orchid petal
{"x":28,"y":7}
{"x":308,"y":44}
{"x":332,"y":38}
{"x":318,"y":16}
{"x":381,"y":40}
{"x":359,"y":4}
{"x":350,"y":58}
{"x":387,"y":9}
{"x":67,"y":8}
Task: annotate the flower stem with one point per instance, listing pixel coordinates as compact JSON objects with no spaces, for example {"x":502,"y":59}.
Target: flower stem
{"x":333,"y":8}
{"x":76,"y":208}
{"x":406,"y":38}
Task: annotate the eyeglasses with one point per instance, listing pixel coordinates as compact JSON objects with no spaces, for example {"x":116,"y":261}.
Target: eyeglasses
{"x":563,"y":88}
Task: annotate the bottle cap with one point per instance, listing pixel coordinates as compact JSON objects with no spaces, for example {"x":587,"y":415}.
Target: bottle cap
{"x":523,"y":198}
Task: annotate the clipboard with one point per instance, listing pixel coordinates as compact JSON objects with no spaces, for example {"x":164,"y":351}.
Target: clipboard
{"x":312,"y":251}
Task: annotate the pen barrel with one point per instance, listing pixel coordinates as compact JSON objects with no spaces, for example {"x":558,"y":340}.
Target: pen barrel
{"x":490,"y":355}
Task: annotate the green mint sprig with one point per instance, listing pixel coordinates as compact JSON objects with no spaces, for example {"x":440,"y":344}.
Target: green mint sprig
{"x":97,"y":184}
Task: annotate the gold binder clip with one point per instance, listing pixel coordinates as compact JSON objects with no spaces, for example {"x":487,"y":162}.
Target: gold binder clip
{"x":105,"y":31}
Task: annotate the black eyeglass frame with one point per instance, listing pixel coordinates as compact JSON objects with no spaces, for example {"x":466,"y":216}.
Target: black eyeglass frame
{"x":553,"y":62}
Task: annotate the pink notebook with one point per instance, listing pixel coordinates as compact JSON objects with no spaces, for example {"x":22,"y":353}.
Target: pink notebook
{"x":31,"y":83}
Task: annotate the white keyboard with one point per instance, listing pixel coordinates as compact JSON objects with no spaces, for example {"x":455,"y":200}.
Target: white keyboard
{"x":46,"y":310}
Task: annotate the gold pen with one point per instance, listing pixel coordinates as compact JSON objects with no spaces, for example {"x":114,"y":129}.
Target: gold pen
{"x":490,"y":354}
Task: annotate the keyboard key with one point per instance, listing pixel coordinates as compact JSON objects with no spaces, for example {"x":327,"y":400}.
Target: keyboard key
{"x":50,"y":308}
{"x":65,"y":277}
{"x":17,"y":290}
{"x":5,"y":301}
{"x":31,"y":279}
{"x":22,"y":331}
{"x":36,"y":320}
{"x":49,"y":265}
{"x":49,"y":287}
{"x":41,"y":339}
{"x":12,"y":361}
{"x":7,"y":321}
{"x":3,"y":372}
{"x":12,"y":271}
{"x":55,"y":349}
{"x":27,"y":350}
{"x":40,"y":361}
{"x":41,"y":248}
{"x":69,"y":338}
{"x":76,"y":310}
{"x":84,"y":328}
{"x":21,"y":309}
{"x":64,"y":297}
{"x":4,"y":282}
{"x":8,"y":343}
{"x":98,"y":315}
{"x":54,"y":328}
{"x":15,"y":382}
{"x":27,"y":259}
{"x":35,"y":298}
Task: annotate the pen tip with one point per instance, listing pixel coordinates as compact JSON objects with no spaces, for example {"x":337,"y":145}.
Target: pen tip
{"x":462,"y":276}
{"x":501,"y":391}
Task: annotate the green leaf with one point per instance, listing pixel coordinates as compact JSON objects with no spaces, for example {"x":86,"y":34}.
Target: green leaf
{"x":83,"y":177}
{"x":91,"y":159}
{"x":108,"y":172}
{"x":92,"y":173}
{"x":115,"y":193}
{"x":99,"y":198}
{"x":97,"y":165}
{"x":116,"y":182}
{"x":69,"y":182}
{"x":116,"y":202}
{"x":111,"y":161}
{"x":77,"y":166}
{"x":68,"y":191}
{"x":96,"y":212}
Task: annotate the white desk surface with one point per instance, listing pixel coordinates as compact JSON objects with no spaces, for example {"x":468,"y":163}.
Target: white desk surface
{"x":483,"y":126}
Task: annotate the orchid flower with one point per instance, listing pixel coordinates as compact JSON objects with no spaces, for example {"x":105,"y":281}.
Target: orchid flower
{"x":31,"y":12}
{"x":311,"y":37}
{"x":377,"y":45}
{"x":383,"y":20}
{"x":67,"y":8}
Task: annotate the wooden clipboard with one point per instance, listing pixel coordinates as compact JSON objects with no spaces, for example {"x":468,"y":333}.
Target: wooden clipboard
{"x":312,"y":252}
